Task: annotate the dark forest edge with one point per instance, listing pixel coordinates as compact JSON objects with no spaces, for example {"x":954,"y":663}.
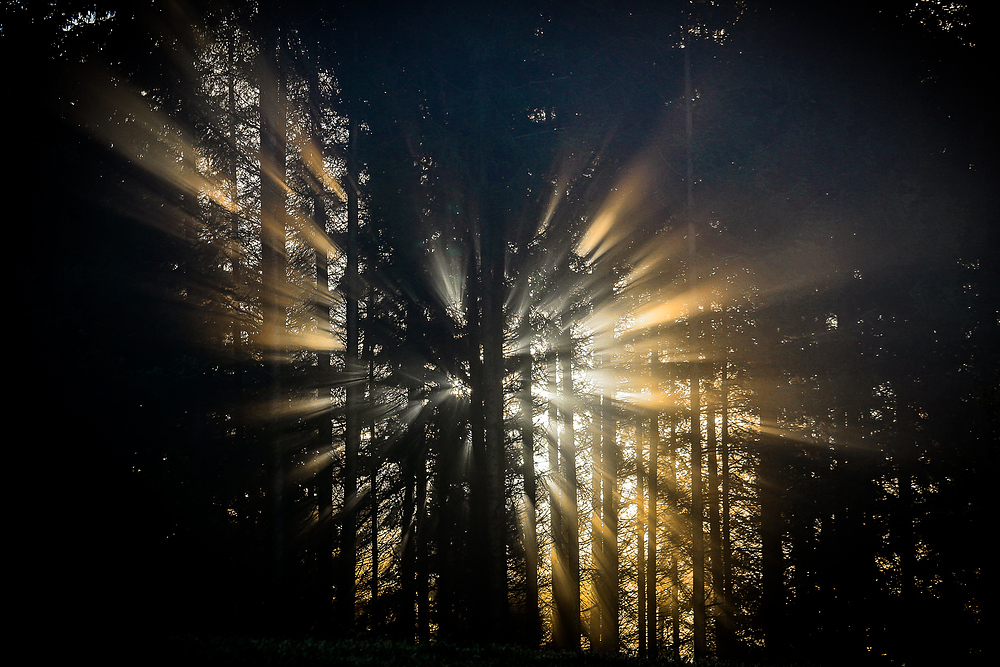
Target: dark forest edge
{"x":253,"y":651}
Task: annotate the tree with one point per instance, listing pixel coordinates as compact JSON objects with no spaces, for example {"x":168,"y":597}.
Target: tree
{"x":352,"y":410}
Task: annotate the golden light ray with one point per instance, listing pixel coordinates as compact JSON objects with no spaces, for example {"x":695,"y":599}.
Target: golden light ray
{"x":660,"y":400}
{"x":564,"y":177}
{"x":319,"y":460}
{"x":651,"y":261}
{"x":316,"y":237}
{"x":312,"y":158}
{"x":122,"y":118}
{"x":558,"y":398}
{"x":305,"y":407}
{"x":314,"y":340}
{"x":828,"y":438}
{"x":618,"y":215}
{"x":555,"y":484}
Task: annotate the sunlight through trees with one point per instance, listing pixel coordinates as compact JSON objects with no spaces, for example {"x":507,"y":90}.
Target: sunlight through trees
{"x":594,"y":328}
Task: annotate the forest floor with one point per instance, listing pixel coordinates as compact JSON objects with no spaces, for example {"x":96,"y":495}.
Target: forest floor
{"x":191,"y":651}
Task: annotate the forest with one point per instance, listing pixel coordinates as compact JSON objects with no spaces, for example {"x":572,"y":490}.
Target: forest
{"x":660,"y":329}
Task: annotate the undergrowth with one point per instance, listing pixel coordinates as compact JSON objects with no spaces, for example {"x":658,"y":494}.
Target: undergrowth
{"x":188,"y":651}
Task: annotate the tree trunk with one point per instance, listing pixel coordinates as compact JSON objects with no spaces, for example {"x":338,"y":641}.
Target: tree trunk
{"x":477,"y":569}
{"x":714,"y":525}
{"x":567,"y":594}
{"x":675,"y":612}
{"x":325,"y":540}
{"x":352,"y":413}
{"x":451,"y":467}
{"x":904,"y":538}
{"x":557,"y":554}
{"x":640,"y":535}
{"x":598,"y":540}
{"x":530,"y":537}
{"x":697,"y":519}
{"x":374,"y":461}
{"x":772,"y":567}
{"x":422,"y":569}
{"x":651,"y":520}
{"x":491,"y":220}
{"x":407,"y":612}
{"x":495,"y":555}
{"x":610,"y":502}
{"x":272,"y":213}
{"x":236,"y":326}
{"x":697,"y":509}
{"x":726,"y":641}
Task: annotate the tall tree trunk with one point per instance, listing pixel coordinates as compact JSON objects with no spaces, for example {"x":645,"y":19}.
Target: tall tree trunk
{"x":567,"y":446}
{"x":598,"y":540}
{"x":675,"y":611}
{"x":491,"y":220}
{"x":726,"y":642}
{"x":567,"y":595}
{"x":557,"y":556}
{"x":651,"y":520}
{"x":352,"y":413}
{"x":422,"y":570}
{"x":407,"y":610}
{"x":325,"y":540}
{"x":608,"y":591}
{"x":495,"y":555}
{"x":374,"y":461}
{"x":697,"y":519}
{"x":236,"y":327}
{"x":325,"y":534}
{"x":697,"y":509}
{"x":714,"y":525}
{"x":272,"y":207}
{"x":902,"y":526}
{"x":640,"y":534}
{"x":772,"y":566}
{"x":529,"y":533}
{"x":477,"y":571}
{"x":450,"y":463}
